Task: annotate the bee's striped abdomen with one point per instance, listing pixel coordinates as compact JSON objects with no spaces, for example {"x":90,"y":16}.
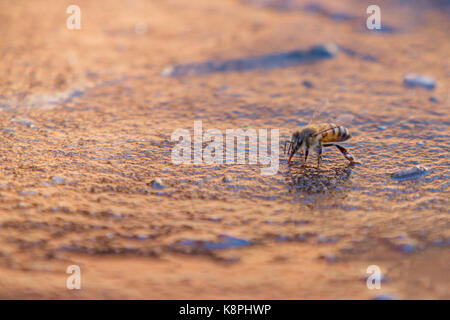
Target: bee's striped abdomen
{"x":335,"y":133}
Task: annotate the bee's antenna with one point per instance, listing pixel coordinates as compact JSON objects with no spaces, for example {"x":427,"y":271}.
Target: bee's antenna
{"x":290,"y":146}
{"x":287,"y":141}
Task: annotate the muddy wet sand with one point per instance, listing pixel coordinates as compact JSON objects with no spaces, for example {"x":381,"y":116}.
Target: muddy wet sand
{"x":87,"y":178}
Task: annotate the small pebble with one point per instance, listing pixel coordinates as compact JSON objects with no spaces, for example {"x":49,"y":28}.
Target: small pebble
{"x":308,"y":84}
{"x":441,"y":242}
{"x":402,"y":237}
{"x":301,"y":237}
{"x":331,"y":258}
{"x":418,"y":80}
{"x":57,"y":180}
{"x":142,"y":237}
{"x":328,"y":50}
{"x":326,"y":239}
{"x":434,"y":99}
{"x":412,"y":173}
{"x":168,"y":71}
{"x":24,"y":122}
{"x":158,"y":184}
{"x":406,"y":247}
{"x":28,"y":193}
{"x":227,"y":179}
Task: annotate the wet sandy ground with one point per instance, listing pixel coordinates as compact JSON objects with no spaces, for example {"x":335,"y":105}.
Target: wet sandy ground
{"x":86,"y":125}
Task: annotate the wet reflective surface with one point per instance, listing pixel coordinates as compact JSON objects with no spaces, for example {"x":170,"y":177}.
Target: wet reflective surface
{"x":87,"y":176}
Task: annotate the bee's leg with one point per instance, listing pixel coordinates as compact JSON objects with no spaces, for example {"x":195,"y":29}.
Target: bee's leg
{"x":306,"y":156}
{"x":344,"y":151}
{"x":346,"y":154}
{"x":290,"y":145}
{"x":319,"y":155}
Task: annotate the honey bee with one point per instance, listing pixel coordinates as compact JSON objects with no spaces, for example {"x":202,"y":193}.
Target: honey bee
{"x":317,"y":135}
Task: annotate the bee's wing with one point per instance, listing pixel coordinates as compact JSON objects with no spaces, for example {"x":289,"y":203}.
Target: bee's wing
{"x":321,"y":112}
{"x":343,"y":119}
{"x":324,"y":113}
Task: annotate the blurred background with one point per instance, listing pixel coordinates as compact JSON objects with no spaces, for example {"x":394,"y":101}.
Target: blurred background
{"x":87,"y":179}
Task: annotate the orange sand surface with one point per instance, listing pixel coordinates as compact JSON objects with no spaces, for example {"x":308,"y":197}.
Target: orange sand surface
{"x":85,"y":130}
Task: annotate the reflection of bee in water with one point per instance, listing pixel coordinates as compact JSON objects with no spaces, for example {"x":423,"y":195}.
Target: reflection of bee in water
{"x":314,"y":136}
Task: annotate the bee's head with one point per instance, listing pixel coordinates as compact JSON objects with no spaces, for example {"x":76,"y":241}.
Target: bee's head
{"x":294,"y":144}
